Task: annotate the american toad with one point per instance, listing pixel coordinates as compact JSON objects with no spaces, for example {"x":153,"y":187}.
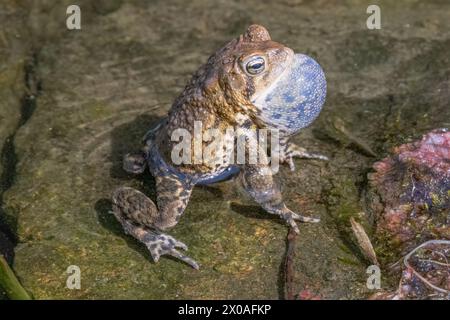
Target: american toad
{"x":250,"y":84}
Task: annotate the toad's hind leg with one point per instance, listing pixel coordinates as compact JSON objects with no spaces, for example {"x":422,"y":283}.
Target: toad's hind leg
{"x":142,"y":219}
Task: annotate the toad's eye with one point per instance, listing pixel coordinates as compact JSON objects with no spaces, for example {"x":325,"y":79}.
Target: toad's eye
{"x":255,"y":65}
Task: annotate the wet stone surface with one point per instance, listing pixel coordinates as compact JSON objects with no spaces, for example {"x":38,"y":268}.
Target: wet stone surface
{"x":103,"y":87}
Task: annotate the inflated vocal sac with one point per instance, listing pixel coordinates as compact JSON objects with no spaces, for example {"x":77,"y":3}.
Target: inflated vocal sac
{"x":295,"y":99}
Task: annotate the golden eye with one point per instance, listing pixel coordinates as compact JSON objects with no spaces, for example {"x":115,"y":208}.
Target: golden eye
{"x":255,"y":65}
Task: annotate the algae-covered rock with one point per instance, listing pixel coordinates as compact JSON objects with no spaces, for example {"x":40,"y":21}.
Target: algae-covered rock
{"x":103,"y":86}
{"x":413,"y":194}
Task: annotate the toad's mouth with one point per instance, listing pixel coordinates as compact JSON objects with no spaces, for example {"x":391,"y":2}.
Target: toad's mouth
{"x":295,"y":99}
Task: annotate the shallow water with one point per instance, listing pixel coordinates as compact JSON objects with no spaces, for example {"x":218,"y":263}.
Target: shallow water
{"x":97,"y":91}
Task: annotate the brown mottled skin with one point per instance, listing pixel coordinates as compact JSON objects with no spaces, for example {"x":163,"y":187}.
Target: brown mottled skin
{"x":219,"y":95}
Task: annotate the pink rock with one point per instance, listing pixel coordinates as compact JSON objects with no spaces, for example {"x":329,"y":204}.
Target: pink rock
{"x":433,"y":151}
{"x":411,"y":189}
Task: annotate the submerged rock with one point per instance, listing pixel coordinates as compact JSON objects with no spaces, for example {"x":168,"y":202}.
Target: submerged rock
{"x":411,"y":208}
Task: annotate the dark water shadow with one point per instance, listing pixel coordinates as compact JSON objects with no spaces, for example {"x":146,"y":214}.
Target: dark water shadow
{"x":283,"y":271}
{"x":9,"y":160}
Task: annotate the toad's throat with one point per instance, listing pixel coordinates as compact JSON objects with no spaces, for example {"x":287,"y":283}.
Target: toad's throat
{"x":295,"y":99}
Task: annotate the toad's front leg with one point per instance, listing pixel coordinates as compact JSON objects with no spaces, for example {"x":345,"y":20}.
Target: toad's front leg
{"x":143,"y":220}
{"x":289,"y":150}
{"x":259,"y":182}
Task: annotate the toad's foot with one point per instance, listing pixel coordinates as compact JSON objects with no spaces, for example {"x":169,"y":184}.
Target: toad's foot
{"x":291,"y":150}
{"x":163,"y":244}
{"x":290,"y":218}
